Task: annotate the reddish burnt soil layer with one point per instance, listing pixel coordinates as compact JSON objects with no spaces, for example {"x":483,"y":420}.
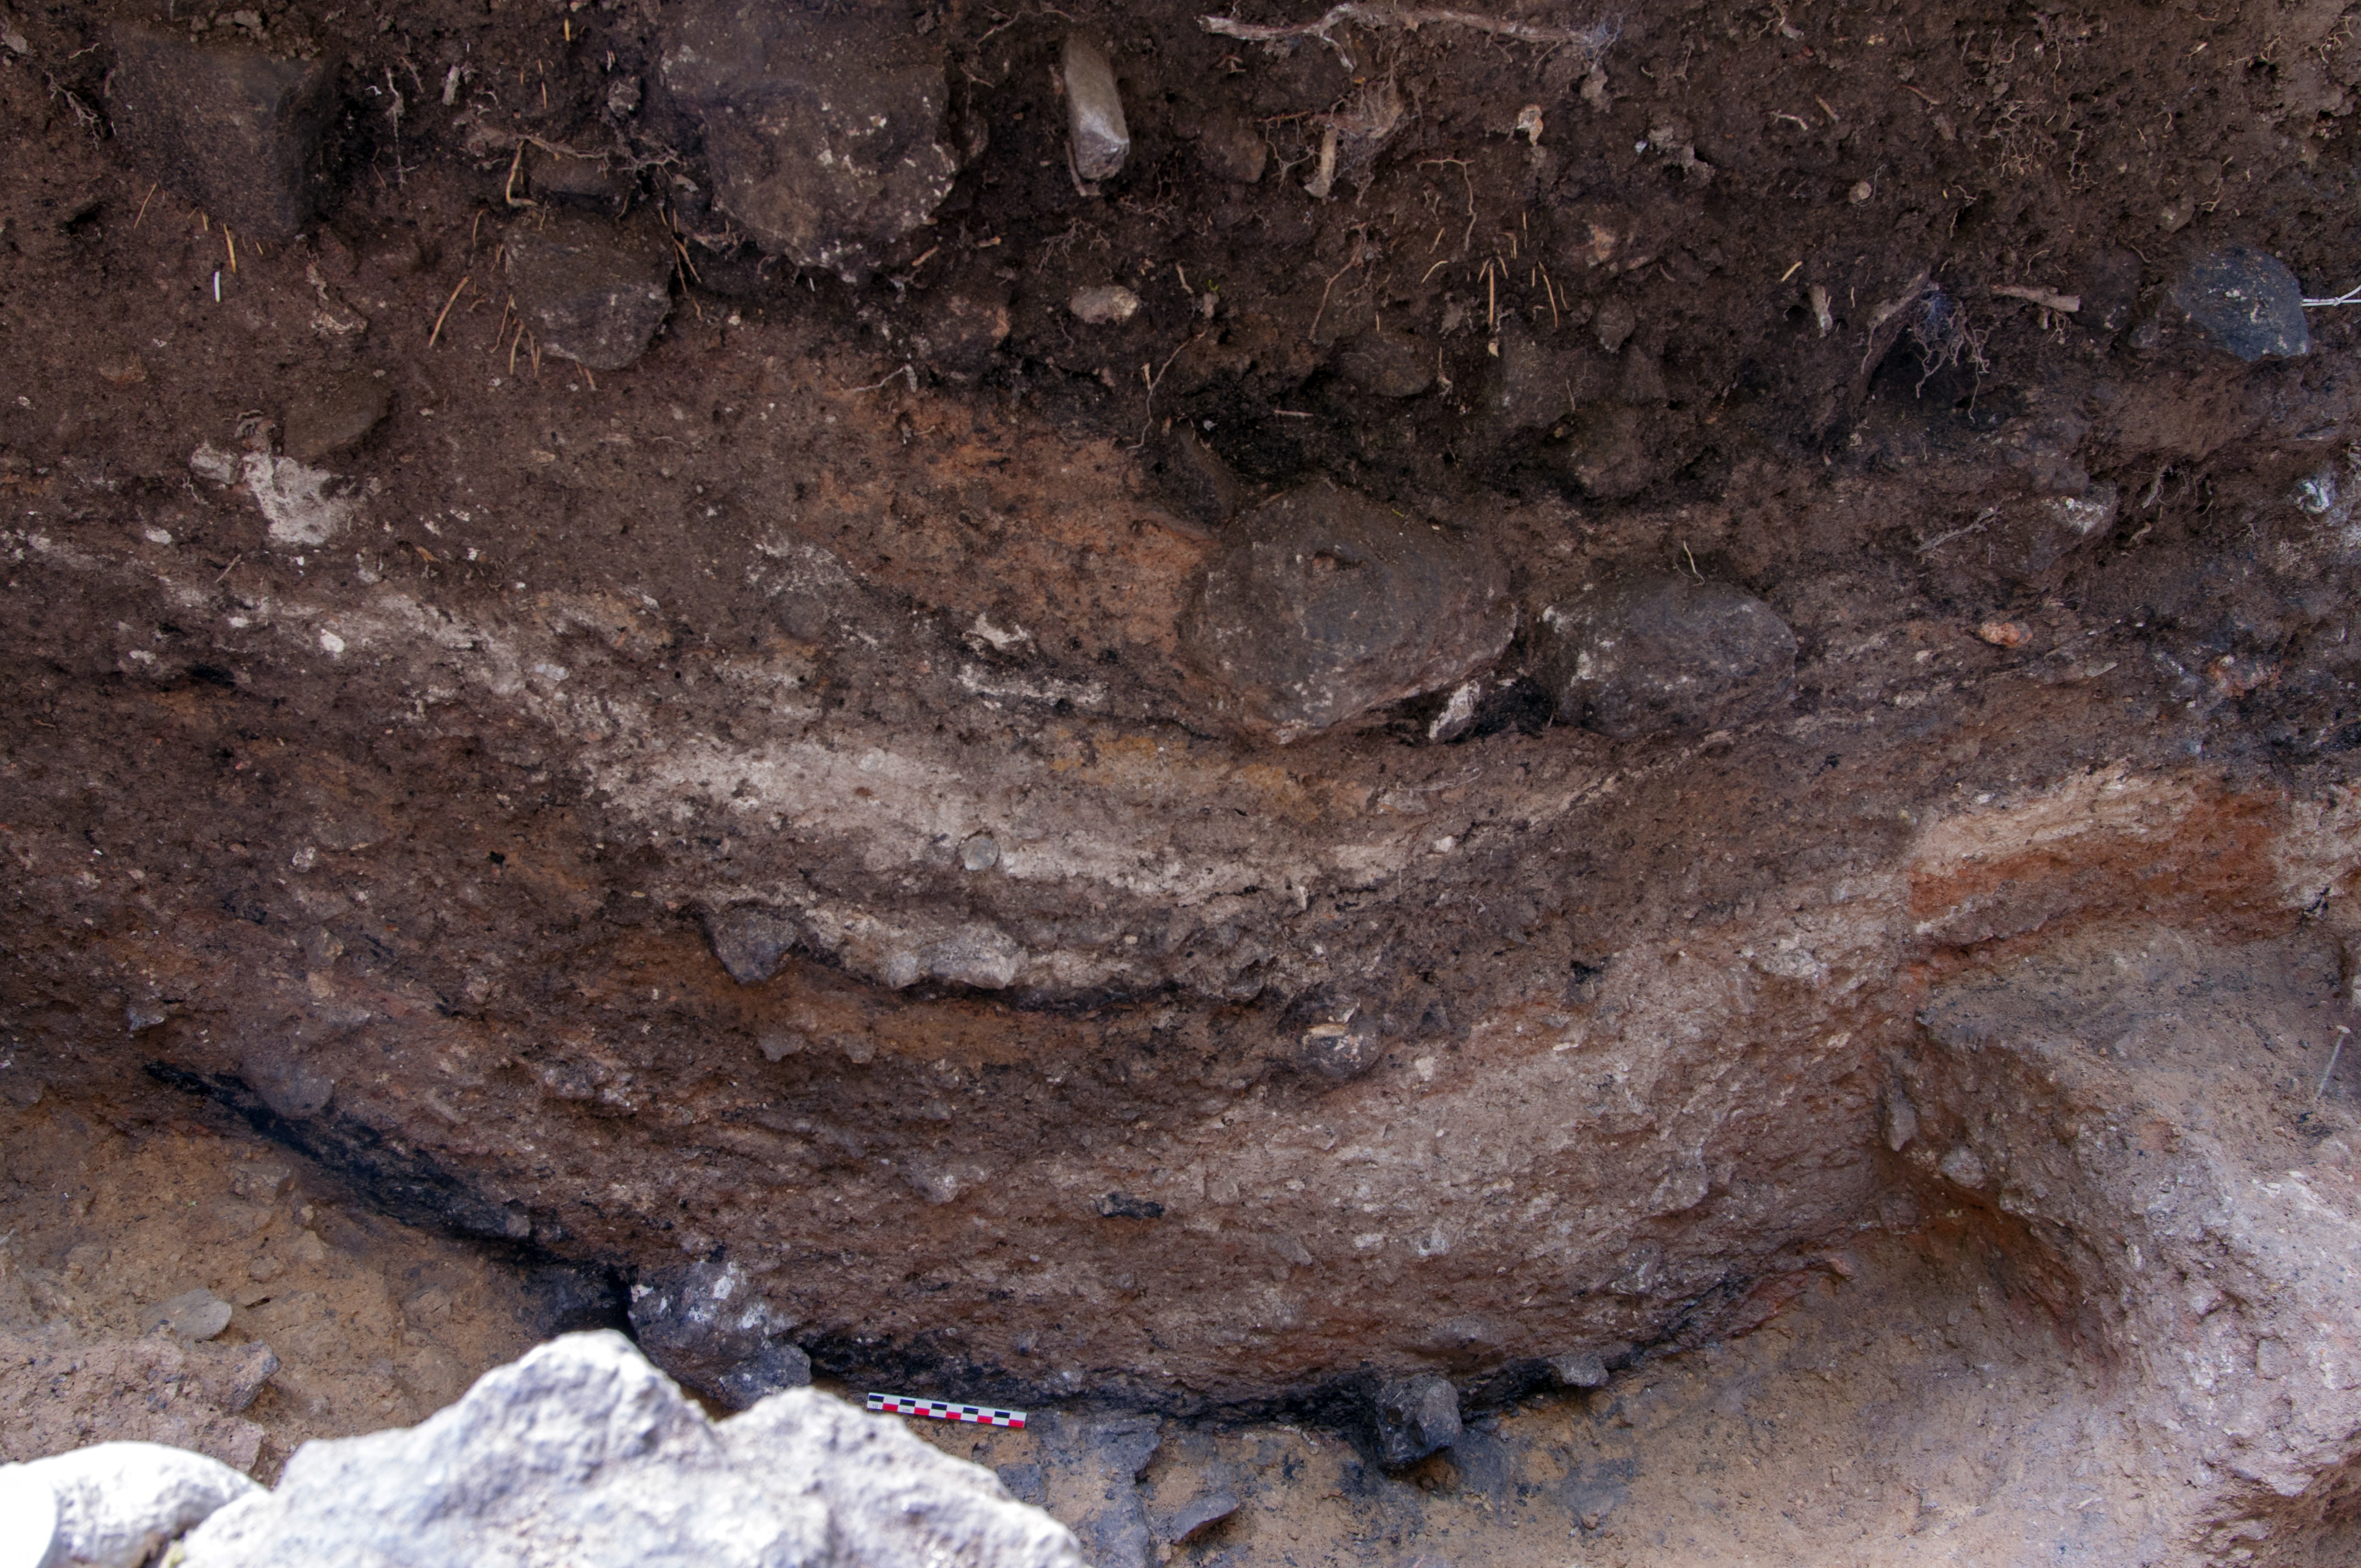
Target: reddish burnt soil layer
{"x":753,"y":806}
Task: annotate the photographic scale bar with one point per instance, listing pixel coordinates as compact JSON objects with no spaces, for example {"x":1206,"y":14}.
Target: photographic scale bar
{"x":941,"y":1410}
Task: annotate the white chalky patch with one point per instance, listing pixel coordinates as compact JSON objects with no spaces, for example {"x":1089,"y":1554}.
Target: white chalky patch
{"x":295,"y":500}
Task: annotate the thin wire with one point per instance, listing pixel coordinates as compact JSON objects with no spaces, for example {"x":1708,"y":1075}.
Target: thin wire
{"x":2350,"y":297}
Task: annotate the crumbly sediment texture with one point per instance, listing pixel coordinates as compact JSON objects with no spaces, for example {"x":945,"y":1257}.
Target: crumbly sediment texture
{"x":375,"y":807}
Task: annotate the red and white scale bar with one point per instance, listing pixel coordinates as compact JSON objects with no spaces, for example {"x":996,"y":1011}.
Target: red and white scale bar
{"x":941,"y":1410}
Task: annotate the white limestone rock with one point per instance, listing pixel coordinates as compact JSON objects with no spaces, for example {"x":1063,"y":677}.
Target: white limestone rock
{"x":108,"y":1506}
{"x":582,"y":1455}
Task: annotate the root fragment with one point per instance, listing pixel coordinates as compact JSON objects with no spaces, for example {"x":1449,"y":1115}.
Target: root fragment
{"x":1592,"y":41}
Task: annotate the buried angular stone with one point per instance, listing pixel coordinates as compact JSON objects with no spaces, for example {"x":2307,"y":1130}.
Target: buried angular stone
{"x":823,"y":131}
{"x":1579,"y":1369}
{"x":588,"y":291}
{"x":1094,"y":111}
{"x":1325,"y":604}
{"x":2023,"y":538}
{"x":237,"y":133}
{"x":751,"y":941}
{"x":336,"y":420}
{"x":1190,"y":1499}
{"x":1337,"y":1051}
{"x":2245,"y":302}
{"x":960,"y":330}
{"x":573,"y":177}
{"x":1662,"y":656}
{"x":1197,"y":483}
{"x":1414,"y":1417}
{"x":706,"y":1325}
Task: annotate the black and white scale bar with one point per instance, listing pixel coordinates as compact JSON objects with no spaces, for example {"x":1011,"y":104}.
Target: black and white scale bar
{"x":938,"y":1410}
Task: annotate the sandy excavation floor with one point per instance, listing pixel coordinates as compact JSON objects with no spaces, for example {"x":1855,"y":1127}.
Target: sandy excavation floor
{"x":1851,"y":1428}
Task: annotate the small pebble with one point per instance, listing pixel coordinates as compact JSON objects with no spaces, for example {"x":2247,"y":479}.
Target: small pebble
{"x":1576,"y":1369}
{"x":751,"y":941}
{"x":1105,"y":303}
{"x":980,"y":854}
{"x":335,"y":419}
{"x":259,"y":1183}
{"x":1094,"y":107}
{"x":193,"y":1314}
{"x":1615,"y":323}
{"x":1962,"y":1167}
{"x":2005,"y":633}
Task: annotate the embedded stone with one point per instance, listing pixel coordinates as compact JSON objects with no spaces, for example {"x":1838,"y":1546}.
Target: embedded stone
{"x":1664,"y":655}
{"x":960,"y":330}
{"x":241,"y":135}
{"x":1104,"y":303}
{"x":1192,"y":1499}
{"x":336,"y":420}
{"x":2023,"y":538}
{"x":1197,"y":482}
{"x":573,"y":177}
{"x":1100,"y":138}
{"x":1579,"y":1369}
{"x":582,"y":1452}
{"x":112,"y":1505}
{"x":1414,"y":1417}
{"x":196,"y":1314}
{"x":588,"y":291}
{"x":751,"y":941}
{"x":980,"y":956}
{"x":1338,"y":1051}
{"x":707,"y":1325}
{"x":1091,"y":1470}
{"x":2245,"y":302}
{"x":824,"y":133}
{"x":1233,"y":147}
{"x":1325,"y":604}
